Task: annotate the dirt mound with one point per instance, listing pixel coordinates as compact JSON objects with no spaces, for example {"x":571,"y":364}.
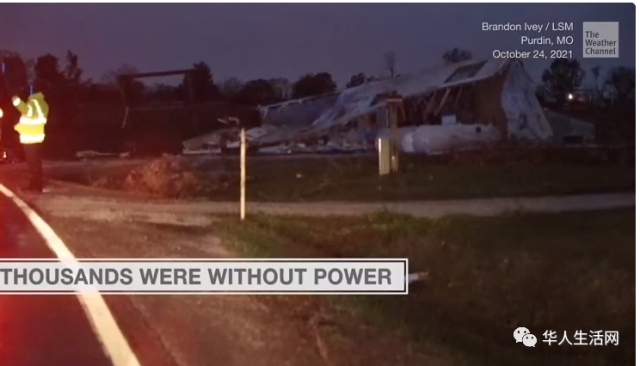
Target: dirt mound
{"x":171,"y":177}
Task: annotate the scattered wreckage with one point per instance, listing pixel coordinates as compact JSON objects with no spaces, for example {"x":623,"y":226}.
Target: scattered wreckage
{"x":459,"y":106}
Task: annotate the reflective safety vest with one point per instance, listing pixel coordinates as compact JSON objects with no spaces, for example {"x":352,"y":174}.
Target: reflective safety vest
{"x":33,"y":118}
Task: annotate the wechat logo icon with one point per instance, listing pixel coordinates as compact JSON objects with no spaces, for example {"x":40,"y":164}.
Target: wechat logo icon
{"x":522,"y":335}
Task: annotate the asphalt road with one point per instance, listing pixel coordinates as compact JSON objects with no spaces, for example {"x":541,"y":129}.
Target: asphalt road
{"x":35,"y":330}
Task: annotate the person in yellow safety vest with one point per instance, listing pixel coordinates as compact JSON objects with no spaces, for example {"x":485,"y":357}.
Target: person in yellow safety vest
{"x":33,"y":118}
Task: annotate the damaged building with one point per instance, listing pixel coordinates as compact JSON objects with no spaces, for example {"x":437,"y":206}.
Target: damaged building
{"x":449,"y":107}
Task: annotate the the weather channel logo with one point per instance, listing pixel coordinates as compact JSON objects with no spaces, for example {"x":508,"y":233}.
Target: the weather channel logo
{"x":600,"y":40}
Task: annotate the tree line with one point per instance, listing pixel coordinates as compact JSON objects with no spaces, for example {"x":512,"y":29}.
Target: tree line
{"x":63,"y":81}
{"x":566,"y":77}
{"x":65,"y":78}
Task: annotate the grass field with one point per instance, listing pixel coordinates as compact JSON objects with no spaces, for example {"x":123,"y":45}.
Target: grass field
{"x":357,"y":179}
{"x":488,"y":276}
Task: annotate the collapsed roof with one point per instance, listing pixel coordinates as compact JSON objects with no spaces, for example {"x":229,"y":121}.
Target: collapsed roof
{"x":314,"y":116}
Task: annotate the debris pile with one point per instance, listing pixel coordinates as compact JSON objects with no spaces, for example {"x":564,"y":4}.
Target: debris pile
{"x":440,"y":110}
{"x":171,"y":177}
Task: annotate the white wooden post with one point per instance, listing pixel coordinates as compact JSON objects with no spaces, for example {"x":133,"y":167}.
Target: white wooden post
{"x":243,"y":168}
{"x":394,"y":108}
{"x":384,"y":156}
{"x":243,"y":173}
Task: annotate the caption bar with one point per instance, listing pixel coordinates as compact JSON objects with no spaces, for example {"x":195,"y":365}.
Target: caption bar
{"x":198,"y":276}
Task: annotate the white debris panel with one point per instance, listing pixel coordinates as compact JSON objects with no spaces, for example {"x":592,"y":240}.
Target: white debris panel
{"x":213,"y":140}
{"x":525,"y":117}
{"x":444,"y":139}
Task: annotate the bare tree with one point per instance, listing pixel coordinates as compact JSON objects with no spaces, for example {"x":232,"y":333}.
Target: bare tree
{"x":563,"y":77}
{"x":282,"y":87}
{"x":230,"y":87}
{"x":621,"y":81}
{"x":390,"y":63}
{"x":356,"y":80}
{"x":456,"y":55}
{"x":313,"y":84}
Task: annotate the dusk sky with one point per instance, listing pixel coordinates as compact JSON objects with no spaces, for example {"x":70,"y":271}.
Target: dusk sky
{"x":272,"y":40}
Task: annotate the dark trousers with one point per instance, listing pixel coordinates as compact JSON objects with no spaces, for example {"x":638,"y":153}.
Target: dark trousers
{"x":32,"y":153}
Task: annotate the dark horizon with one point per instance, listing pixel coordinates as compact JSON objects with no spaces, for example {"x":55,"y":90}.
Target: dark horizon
{"x":252,"y":41}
